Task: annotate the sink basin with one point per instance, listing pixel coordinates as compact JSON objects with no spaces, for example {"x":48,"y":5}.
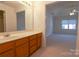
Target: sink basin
{"x":7,"y":36}
{"x":14,"y":35}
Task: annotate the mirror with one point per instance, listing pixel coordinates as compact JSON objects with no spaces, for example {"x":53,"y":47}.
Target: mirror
{"x":15,"y":16}
{"x":20,"y":20}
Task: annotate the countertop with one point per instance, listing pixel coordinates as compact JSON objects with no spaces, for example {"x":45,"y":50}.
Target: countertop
{"x":16,"y":35}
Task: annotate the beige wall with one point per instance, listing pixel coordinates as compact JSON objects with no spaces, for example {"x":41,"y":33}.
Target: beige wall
{"x":10,"y":17}
{"x":39,"y":18}
{"x":49,"y":23}
{"x":77,"y":41}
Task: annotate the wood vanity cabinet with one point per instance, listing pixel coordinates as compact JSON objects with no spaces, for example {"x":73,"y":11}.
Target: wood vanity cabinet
{"x":32,"y":44}
{"x":22,"y":47}
{"x":22,"y":51}
{"x":7,"y":49}
{"x":39,"y":40}
{"x":9,"y":53}
{"x":35,"y":42}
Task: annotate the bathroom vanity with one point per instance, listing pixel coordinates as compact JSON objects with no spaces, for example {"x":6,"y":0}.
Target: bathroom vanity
{"x":21,"y":45}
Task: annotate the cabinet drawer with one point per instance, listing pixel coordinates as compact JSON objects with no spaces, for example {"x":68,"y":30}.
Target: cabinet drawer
{"x":39,"y":42}
{"x":9,"y":53}
{"x":6,"y":46}
{"x":21,"y":41}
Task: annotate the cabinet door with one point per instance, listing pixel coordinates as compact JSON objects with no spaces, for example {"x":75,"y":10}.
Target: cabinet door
{"x":39,"y":39}
{"x":9,"y":53}
{"x":22,"y":50}
{"x":33,"y":44}
{"x":33,"y":49}
{"x":39,"y":42}
{"x":21,"y":41}
{"x":6,"y":46}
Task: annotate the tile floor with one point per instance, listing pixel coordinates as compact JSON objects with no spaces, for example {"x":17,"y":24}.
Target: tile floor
{"x":58,"y":46}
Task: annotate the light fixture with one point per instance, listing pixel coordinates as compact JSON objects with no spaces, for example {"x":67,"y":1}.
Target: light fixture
{"x":74,"y":10}
{"x":72,"y":13}
{"x":25,"y":3}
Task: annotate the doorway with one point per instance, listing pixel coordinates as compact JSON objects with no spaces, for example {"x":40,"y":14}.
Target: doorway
{"x":59,"y":42}
{"x":61,"y":28}
{"x":2,"y":21}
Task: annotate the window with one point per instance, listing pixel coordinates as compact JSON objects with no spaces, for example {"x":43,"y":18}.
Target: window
{"x":68,"y":24}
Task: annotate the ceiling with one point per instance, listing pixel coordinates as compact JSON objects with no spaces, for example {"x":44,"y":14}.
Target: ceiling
{"x":49,"y":2}
{"x":62,"y":7}
{"x":14,"y":4}
{"x":53,"y":7}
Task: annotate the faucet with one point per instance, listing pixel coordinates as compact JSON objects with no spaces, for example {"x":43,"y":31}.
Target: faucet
{"x":6,"y":35}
